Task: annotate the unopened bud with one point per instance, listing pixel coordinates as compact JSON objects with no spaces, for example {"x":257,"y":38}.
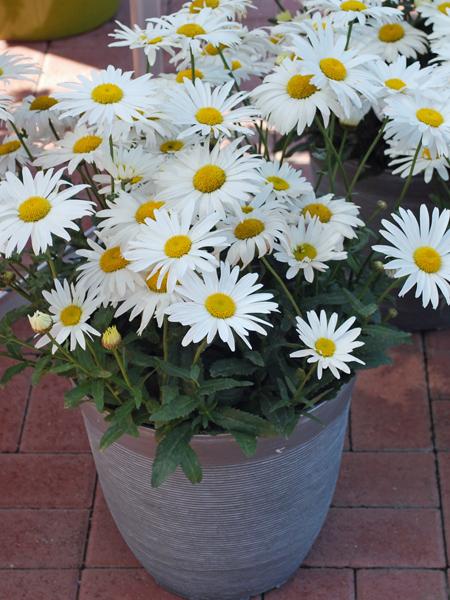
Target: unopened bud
{"x":392,"y":313}
{"x":391,"y":273}
{"x":7,"y":278}
{"x":382,"y":205}
{"x":284,"y":17}
{"x":40,"y":322}
{"x":111,"y":338}
{"x":377,"y":265}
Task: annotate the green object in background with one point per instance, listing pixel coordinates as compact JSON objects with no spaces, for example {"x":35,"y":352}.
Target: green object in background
{"x":34,"y":20}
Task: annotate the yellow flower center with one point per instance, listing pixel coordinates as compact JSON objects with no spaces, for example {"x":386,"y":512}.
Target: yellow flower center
{"x":9,"y":147}
{"x":333,"y":69}
{"x":209,"y":115}
{"x":353,"y":5}
{"x":34,"y":209}
{"x":70,"y":315}
{"x":325,"y":347}
{"x":197,"y":5}
{"x":315,"y":209}
{"x":152,"y":283}
{"x":247,"y":209}
{"x":299,"y":87}
{"x":444,"y":8}
{"x":177,"y":246}
{"x":43,"y":103}
{"x":134,"y":180}
{"x":279,"y":184}
{"x":87,"y":143}
{"x":430,"y":117}
{"x":147,"y":210}
{"x":220,"y":306}
{"x":107,"y":93}
{"x":191,"y":30}
{"x":1,"y":72}
{"x":427,"y":259}
{"x":303,"y":251}
{"x":187,"y":74}
{"x":235,"y":65}
{"x":248,"y":228}
{"x":112,"y":260}
{"x":209,"y":178}
{"x":154,"y":41}
{"x":426,"y":154}
{"x":395,"y":84}
{"x":391,"y":32}
{"x":171,"y":146}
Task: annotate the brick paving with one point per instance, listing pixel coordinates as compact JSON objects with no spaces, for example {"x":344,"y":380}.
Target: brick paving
{"x":388,"y":531}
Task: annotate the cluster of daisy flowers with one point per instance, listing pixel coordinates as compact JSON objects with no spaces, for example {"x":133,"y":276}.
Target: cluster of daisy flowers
{"x":188,"y":214}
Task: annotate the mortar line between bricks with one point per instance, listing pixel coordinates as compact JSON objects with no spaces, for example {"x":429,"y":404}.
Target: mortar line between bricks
{"x":24,"y":418}
{"x":435,"y":452}
{"x":355,"y":585}
{"x":350,"y":431}
{"x":88,"y":533}
{"x":303,"y":567}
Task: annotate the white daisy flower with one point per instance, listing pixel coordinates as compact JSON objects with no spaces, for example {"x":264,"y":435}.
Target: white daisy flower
{"x":221,"y":304}
{"x":192,"y":30}
{"x":390,"y":40}
{"x":345,"y":11}
{"x":227,"y":8}
{"x":5,"y":107}
{"x":344,"y":72}
{"x":286,"y":183}
{"x":341,"y":214}
{"x":151,"y":39}
{"x":308,"y":246}
{"x":197,"y":109}
{"x":327,"y":346}
{"x":35,"y":113}
{"x":12,"y":153}
{"x":172,"y":144}
{"x":128,"y":168}
{"x":108,"y":95}
{"x":16,"y":66}
{"x":420,"y":251}
{"x":251,"y":232}
{"x":398,"y":77}
{"x":76,"y":147}
{"x":106,"y":271}
{"x":426,"y":163}
{"x":289,"y":100}
{"x":71,"y":306}
{"x":173,"y":244}
{"x":36,"y":208}
{"x":126,"y":215}
{"x":210,"y":180}
{"x":148,"y":300}
{"x":435,"y":12}
{"x":419,"y":119}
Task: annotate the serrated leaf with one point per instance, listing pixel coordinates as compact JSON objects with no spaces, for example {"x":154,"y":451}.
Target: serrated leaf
{"x":247,"y":442}
{"x":41,"y":366}
{"x":177,"y":408}
{"x":233,"y":419}
{"x":231,"y":366}
{"x":363,"y":310}
{"x":11,"y":372}
{"x":112,"y":434}
{"x":190,"y":465}
{"x":76,"y":395}
{"x":98,"y":394}
{"x":213,"y":386}
{"x":169,"y":453}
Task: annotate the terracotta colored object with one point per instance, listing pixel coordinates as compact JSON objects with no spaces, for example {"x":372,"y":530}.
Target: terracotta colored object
{"x":247,"y":527}
{"x":34,"y":20}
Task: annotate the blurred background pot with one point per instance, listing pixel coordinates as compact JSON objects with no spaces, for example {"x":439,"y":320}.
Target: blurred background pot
{"x":247,"y":527}
{"x":34,"y":20}
{"x":385,"y":186}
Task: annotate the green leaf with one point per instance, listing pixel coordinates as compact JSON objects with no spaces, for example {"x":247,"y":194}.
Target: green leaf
{"x":235,"y":420}
{"x":62,"y":368}
{"x":178,"y":407}
{"x":170,"y":369}
{"x":170,"y":453}
{"x":98,"y":394}
{"x":255,"y":358}
{"x":213,"y":386}
{"x":190,"y":465}
{"x":76,"y":395}
{"x":42,"y":365}
{"x":231,"y":366}
{"x":363,"y":310}
{"x":247,"y":442}
{"x":11,"y":372}
{"x":112,"y":434}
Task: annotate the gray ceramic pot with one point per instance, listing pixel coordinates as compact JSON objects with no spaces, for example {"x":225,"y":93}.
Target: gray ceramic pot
{"x":247,"y":526}
{"x":412,"y":316}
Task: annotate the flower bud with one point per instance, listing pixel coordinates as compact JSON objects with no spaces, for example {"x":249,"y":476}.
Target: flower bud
{"x":111,"y":338}
{"x":392,"y":313}
{"x":284,"y":17}
{"x":6,"y":279}
{"x":391,"y":273}
{"x":382,"y":205}
{"x":40,"y":322}
{"x":377,"y":265}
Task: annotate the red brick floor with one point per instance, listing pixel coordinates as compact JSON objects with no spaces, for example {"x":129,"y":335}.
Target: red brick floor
{"x":388,"y":531}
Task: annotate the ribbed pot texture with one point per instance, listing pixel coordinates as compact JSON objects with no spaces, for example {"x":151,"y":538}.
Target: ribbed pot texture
{"x":247,"y":526}
{"x":385,"y":186}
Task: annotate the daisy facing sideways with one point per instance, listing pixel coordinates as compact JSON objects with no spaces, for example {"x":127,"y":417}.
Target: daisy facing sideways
{"x":344,"y":11}
{"x":12,"y":153}
{"x":286,"y":183}
{"x":173,"y":244}
{"x":71,"y":306}
{"x":221,"y":304}
{"x":419,"y":251}
{"x":308,"y":246}
{"x":37,"y":209}
{"x":391,"y":40}
{"x":328,"y":346}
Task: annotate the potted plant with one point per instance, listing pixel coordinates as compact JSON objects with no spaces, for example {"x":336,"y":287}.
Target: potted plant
{"x":211,"y":311}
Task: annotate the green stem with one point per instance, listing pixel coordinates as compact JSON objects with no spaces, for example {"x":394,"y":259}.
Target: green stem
{"x":308,"y":376}
{"x":52,"y":127}
{"x":122,"y":368}
{"x":287,"y":141}
{"x":409,"y":178}
{"x":51,"y":265}
{"x":281,"y":283}
{"x":349,"y":34}
{"x":22,"y":140}
{"x":192,"y":65}
{"x":330,"y":146}
{"x":199,"y":351}
{"x":396,"y":283}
